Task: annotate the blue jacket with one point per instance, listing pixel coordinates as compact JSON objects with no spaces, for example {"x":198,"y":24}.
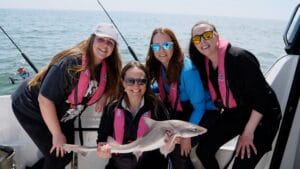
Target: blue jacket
{"x":191,"y":90}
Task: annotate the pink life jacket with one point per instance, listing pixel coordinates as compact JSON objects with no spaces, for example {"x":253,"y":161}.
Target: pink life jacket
{"x":222,"y":46}
{"x":83,"y":83}
{"x":119,"y":125}
{"x":173,"y":92}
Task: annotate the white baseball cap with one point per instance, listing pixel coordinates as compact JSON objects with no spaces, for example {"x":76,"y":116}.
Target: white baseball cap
{"x":106,"y":30}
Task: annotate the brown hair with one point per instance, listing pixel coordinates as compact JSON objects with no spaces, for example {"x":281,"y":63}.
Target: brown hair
{"x":176,"y":61}
{"x":148,"y":92}
{"x":86,"y":47}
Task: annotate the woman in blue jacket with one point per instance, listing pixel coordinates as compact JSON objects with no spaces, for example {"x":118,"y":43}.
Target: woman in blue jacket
{"x":179,"y":86}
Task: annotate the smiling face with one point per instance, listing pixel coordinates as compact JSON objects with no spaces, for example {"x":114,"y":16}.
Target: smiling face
{"x":163,"y":55}
{"x":134,"y":83}
{"x":208,"y":46}
{"x":102,"y":48}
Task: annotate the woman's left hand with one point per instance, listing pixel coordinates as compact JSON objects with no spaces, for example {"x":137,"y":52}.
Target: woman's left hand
{"x":100,"y":104}
{"x":244,"y":145}
{"x":185,"y":146}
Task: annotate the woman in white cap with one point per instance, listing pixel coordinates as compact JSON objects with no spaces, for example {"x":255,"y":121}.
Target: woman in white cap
{"x":75,"y":78}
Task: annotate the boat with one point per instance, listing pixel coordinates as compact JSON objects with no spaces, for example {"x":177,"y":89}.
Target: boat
{"x":283,"y":76}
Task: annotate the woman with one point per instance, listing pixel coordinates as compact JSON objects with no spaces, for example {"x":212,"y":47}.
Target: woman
{"x":247,"y":104}
{"x":123,"y":120}
{"x":179,"y":86}
{"x":75,"y":78}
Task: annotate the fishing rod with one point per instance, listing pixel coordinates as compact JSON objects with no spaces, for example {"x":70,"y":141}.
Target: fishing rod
{"x":23,"y":54}
{"x":129,"y":48}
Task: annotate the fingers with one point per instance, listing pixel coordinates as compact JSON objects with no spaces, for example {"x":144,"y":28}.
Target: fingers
{"x":185,"y":147}
{"x":59,"y":151}
{"x":243,"y":150}
{"x":104,"y":151}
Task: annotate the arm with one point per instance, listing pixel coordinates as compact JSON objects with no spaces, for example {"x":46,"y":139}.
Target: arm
{"x":105,"y":129}
{"x":245,"y":141}
{"x":53,"y":93}
{"x":49,"y":115}
{"x":192,"y":89}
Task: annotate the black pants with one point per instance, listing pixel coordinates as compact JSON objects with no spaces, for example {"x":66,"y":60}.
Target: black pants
{"x":149,"y":160}
{"x":178,"y":161}
{"x":42,"y":137}
{"x":227,"y":127}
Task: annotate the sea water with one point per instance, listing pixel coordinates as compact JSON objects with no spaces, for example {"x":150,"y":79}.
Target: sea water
{"x":41,"y":34}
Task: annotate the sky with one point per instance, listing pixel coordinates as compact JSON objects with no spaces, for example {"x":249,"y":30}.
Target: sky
{"x":265,"y":9}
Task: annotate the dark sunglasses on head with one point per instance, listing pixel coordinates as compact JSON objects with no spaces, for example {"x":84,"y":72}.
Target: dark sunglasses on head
{"x":132,"y":81}
{"x":205,"y":35}
{"x":166,"y":46}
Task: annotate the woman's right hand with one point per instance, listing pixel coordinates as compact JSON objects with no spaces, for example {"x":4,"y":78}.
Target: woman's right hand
{"x":57,"y":141}
{"x":103,"y":150}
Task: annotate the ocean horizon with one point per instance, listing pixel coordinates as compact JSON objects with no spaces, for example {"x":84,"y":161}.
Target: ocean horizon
{"x":41,"y":34}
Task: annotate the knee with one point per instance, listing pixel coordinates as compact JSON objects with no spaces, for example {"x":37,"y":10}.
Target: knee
{"x":203,"y":153}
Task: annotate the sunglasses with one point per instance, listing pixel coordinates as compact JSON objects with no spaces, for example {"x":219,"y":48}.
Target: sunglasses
{"x":205,"y":35}
{"x":132,"y":81}
{"x":166,"y":46}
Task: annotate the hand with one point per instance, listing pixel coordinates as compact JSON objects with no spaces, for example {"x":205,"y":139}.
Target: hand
{"x":103,"y":150}
{"x":244,"y":145}
{"x":57,"y":141}
{"x":186,"y":146}
{"x":100,"y":104}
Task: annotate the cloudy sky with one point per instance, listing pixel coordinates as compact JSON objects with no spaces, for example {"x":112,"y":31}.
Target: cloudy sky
{"x":270,"y":9}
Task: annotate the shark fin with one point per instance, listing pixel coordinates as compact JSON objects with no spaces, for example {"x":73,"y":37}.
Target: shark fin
{"x":112,"y":141}
{"x":137,"y":154}
{"x":169,"y":145}
{"x":83,"y":153}
{"x":150,"y":122}
{"x":75,"y":148}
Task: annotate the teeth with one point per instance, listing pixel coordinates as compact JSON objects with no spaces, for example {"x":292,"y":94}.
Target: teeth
{"x":205,"y":47}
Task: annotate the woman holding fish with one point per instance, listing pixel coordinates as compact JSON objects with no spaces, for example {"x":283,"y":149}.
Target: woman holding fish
{"x":75,"y":78}
{"x":123,"y":120}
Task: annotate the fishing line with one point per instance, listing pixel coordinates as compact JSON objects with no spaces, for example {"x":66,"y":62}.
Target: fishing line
{"x":23,"y":54}
{"x":129,"y":48}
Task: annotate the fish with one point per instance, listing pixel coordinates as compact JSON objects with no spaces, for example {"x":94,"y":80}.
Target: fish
{"x":161,"y":135}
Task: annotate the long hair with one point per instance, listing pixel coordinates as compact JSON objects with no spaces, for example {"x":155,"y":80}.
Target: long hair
{"x":85,"y":47}
{"x":175,"y":63}
{"x":148,"y":93}
{"x":197,"y":57}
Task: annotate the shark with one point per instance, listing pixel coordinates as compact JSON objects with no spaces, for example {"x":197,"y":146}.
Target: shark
{"x":161,"y":135}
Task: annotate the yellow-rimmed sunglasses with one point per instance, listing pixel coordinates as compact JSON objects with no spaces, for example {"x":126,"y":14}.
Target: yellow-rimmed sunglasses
{"x":205,"y":35}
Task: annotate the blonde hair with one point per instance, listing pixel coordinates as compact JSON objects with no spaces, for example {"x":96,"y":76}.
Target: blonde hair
{"x":86,"y":47}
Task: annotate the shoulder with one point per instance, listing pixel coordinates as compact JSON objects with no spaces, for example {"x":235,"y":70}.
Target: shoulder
{"x":240,"y":55}
{"x":69,"y":61}
{"x":189,"y":70}
{"x":188,"y":65}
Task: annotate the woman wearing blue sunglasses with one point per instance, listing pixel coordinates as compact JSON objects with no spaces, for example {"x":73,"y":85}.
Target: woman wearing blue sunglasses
{"x":247,"y":104}
{"x":179,"y":85}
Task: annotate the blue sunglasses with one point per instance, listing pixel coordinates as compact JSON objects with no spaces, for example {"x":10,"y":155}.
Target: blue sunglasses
{"x":166,"y":46}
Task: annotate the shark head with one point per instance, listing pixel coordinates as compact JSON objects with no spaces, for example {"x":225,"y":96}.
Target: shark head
{"x":186,"y":129}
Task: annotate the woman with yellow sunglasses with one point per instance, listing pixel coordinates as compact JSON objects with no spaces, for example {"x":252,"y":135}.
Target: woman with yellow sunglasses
{"x":248,"y":106}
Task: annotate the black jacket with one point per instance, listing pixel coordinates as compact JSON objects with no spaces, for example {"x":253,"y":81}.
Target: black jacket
{"x":251,"y":91}
{"x":151,"y":159}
